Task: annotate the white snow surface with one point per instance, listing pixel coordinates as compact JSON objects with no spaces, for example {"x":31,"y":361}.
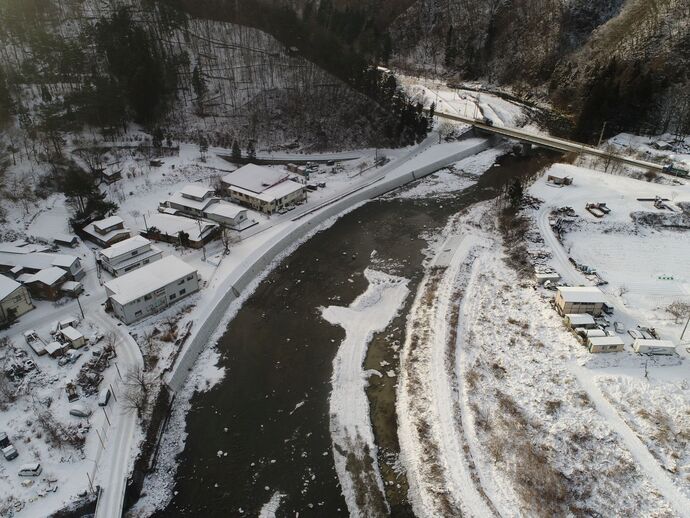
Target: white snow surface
{"x":350,"y":426}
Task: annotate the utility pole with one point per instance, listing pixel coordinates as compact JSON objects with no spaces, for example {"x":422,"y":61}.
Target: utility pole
{"x":203,"y":246}
{"x":685,"y":328}
{"x":601,"y":135}
{"x":80,"y":308}
{"x":106,"y":415}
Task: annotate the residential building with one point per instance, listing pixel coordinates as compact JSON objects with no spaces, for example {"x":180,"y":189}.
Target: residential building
{"x":584,"y":299}
{"x":604,"y":344}
{"x":167,"y":227}
{"x":106,"y":232}
{"x":46,"y":283}
{"x":644,"y":346}
{"x":201,"y":202}
{"x":263,"y":189}
{"x":17,"y":264}
{"x":67,"y":240}
{"x":14,"y":300}
{"x":128,"y":255}
{"x":151,"y":288}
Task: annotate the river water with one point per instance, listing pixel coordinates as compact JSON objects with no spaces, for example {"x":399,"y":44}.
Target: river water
{"x":265,"y":427}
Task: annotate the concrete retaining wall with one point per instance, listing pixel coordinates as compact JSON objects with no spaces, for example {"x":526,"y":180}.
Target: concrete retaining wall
{"x":258,"y":262}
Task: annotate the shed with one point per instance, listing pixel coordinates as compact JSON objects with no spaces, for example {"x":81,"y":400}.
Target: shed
{"x":580,"y":320}
{"x":71,"y":288}
{"x":605,"y":344}
{"x":644,"y":346}
{"x":73,"y":337}
{"x":55,"y":349}
{"x":66,"y":240}
{"x":543,"y":277}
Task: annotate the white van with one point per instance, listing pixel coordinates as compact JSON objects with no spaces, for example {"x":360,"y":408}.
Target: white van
{"x":79,"y":411}
{"x":104,"y":397}
{"x":33,"y":469}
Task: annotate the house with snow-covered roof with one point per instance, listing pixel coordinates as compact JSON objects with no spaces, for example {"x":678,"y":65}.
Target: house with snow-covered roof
{"x":106,"y":232}
{"x":128,"y":255}
{"x":151,"y":288}
{"x":18,"y":263}
{"x":201,"y":202}
{"x":580,"y":299}
{"x":263,"y":189}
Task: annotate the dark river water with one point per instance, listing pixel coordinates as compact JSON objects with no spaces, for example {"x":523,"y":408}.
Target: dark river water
{"x":270,"y":412}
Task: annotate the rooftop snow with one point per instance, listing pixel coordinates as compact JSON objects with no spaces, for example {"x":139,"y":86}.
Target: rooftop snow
{"x":148,"y":279}
{"x":197,"y":191}
{"x":580,"y":319}
{"x":48,"y":276}
{"x":125,"y":247}
{"x":254,"y":178}
{"x":71,"y":334}
{"x":107,"y":222}
{"x":37,"y":260}
{"x":654,"y":343}
{"x":171,"y":225}
{"x":226,"y":210}
{"x":7,"y":286}
{"x":273,"y":193}
{"x":605,"y":340}
{"x":582,"y":294}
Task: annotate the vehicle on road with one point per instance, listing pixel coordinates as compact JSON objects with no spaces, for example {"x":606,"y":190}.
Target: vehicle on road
{"x":619,"y":327}
{"x":635,"y":334}
{"x":32,"y":469}
{"x":80,"y":411}
{"x":10,"y":452}
{"x":104,"y":397}
{"x":4,"y":440}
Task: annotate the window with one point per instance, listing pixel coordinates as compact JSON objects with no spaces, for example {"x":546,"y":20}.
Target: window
{"x":182,"y":292}
{"x":147,"y":297}
{"x":137,"y":313}
{"x":173,"y":296}
{"x":180,"y":282}
{"x":190,"y":277}
{"x":135,"y":253}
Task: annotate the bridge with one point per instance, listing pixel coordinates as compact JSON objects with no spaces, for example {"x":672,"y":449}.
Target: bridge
{"x":547,"y":141}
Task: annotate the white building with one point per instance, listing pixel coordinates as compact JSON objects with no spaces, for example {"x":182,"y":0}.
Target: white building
{"x":106,"y":232}
{"x":14,"y":300}
{"x":151,"y":288}
{"x":580,"y":299}
{"x":33,"y":262}
{"x":605,"y":344}
{"x":200,"y":202}
{"x":644,"y":346}
{"x":263,"y":189}
{"x":128,"y":255}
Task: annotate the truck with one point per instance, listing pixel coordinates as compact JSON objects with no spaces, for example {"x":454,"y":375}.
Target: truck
{"x":675,"y":170}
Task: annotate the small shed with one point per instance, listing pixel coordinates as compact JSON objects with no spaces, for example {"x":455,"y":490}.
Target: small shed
{"x":55,"y":349}
{"x":580,"y":320}
{"x":605,"y":344}
{"x":73,"y":337}
{"x":644,"y":346}
{"x":71,"y":288}
{"x":543,"y":277}
{"x":67,"y":240}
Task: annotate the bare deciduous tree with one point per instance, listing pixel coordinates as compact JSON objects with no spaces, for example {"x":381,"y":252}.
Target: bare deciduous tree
{"x":678,"y":309}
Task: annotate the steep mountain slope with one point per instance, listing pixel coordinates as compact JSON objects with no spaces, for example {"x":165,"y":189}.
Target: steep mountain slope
{"x":621,"y":61}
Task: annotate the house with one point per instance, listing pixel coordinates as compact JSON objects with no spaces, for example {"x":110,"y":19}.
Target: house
{"x":559,"y":180}
{"x":604,"y":344}
{"x":67,"y":240}
{"x":111,"y":175}
{"x":72,"y":337}
{"x":46,"y":283}
{"x":263,"y":189}
{"x":580,"y":321}
{"x":151,"y":288}
{"x":32,"y":262}
{"x":106,"y":232}
{"x":201,"y":202}
{"x":645,"y":346}
{"x":128,"y":255}
{"x":14,"y":300}
{"x":579,"y":299}
{"x":167,"y":227}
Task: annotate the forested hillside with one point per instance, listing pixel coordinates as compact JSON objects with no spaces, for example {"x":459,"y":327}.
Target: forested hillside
{"x":70,"y":64}
{"x":620,"y":61}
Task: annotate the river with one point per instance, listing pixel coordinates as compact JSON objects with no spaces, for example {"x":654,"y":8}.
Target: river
{"x":265,"y":427}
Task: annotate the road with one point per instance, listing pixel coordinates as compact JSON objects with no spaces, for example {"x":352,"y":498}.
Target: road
{"x":547,"y":141}
{"x":114,"y":467}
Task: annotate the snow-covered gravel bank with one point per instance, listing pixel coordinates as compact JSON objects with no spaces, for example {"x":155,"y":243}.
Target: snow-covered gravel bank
{"x":354,"y":449}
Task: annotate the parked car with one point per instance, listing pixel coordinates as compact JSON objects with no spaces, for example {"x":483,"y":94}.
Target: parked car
{"x":4,"y":440}
{"x":80,"y":411}
{"x":30,"y":336}
{"x":10,"y":452}
{"x":619,"y":327}
{"x":32,"y":469}
{"x":29,"y":365}
{"x":608,"y":308}
{"x":104,"y":397}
